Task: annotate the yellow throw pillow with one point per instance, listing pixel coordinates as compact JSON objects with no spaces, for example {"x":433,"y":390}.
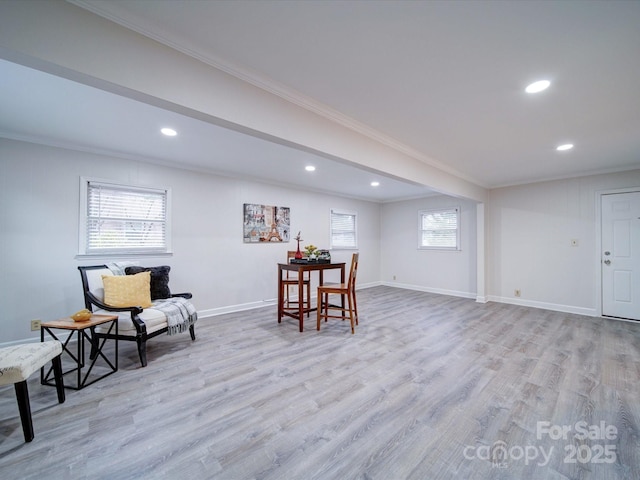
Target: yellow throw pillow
{"x":127,"y":290}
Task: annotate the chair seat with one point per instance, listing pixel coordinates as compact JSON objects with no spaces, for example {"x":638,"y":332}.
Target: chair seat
{"x":18,"y":362}
{"x":154,"y":320}
{"x":340,"y":288}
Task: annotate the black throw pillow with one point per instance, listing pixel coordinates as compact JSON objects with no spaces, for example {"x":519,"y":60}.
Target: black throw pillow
{"x":159,"y":279}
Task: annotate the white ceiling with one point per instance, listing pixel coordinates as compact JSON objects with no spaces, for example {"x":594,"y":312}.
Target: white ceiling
{"x":43,"y":108}
{"x":444,"y":79}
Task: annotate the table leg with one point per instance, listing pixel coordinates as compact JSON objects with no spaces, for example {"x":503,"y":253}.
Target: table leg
{"x":301,"y":299}
{"x":78,"y":358}
{"x":46,"y":376}
{"x":320,"y":283}
{"x":42,"y":368}
{"x":342,"y":280}
{"x":280,"y":294}
{"x":80,"y":352}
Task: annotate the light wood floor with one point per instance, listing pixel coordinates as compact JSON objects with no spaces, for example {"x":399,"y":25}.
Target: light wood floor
{"x":427,"y":386}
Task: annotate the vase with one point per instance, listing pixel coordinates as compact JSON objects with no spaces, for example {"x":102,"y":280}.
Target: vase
{"x":298,"y":252}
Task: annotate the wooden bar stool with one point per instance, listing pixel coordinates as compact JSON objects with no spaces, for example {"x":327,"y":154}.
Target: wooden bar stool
{"x":292,"y":281}
{"x":18,"y":362}
{"x":348,"y":289}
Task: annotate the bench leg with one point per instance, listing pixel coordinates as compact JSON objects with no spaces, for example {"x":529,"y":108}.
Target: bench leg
{"x":142,"y":351}
{"x":22,"y":395}
{"x":57,"y":375}
{"x":192,"y":331}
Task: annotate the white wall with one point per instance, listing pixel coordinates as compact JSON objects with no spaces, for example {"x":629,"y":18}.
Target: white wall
{"x":529,"y":233}
{"x":439,"y":271}
{"x":39,"y":199}
{"x":528,"y":238}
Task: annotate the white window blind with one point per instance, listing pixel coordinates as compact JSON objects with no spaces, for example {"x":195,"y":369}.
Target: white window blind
{"x":440,"y":229}
{"x":343,"y":229}
{"x":124,"y":219}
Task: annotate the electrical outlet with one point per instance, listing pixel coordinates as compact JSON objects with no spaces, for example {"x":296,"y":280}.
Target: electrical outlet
{"x":394,"y":277}
{"x":35,"y":325}
{"x":516,"y":292}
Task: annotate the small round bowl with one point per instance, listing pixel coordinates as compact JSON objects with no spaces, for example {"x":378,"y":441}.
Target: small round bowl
{"x":81,"y":316}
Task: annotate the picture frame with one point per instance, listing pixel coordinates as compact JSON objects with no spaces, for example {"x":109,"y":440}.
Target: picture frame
{"x":266,"y":223}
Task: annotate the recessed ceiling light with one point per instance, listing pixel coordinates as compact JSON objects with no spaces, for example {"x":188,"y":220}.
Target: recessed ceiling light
{"x":375,"y":184}
{"x":310,"y":168}
{"x":169,"y":132}
{"x":566,"y":146}
{"x":538,"y":86}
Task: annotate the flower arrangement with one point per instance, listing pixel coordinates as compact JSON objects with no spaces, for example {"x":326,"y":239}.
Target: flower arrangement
{"x":310,"y":250}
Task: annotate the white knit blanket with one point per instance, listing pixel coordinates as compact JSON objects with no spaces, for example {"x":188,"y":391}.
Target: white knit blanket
{"x":180,"y":312}
{"x":117,"y":268}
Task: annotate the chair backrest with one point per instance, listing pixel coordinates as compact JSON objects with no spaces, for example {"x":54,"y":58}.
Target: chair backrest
{"x":292,"y":254}
{"x":354,"y":271}
{"x":92,"y":282}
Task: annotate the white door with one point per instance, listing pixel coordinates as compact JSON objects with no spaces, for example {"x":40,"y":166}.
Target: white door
{"x":620,"y":256}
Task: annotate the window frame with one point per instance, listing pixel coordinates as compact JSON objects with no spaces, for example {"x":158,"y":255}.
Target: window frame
{"x":354,"y":214}
{"x":84,"y":250}
{"x":423,"y":212}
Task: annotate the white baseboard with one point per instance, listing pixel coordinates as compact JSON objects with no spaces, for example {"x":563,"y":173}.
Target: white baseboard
{"x":47,"y":337}
{"x":590,"y":312}
{"x":212,"y":312}
{"x":440,"y":291}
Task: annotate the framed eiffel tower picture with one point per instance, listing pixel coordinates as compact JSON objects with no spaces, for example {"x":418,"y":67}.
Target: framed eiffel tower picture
{"x":265,"y":223}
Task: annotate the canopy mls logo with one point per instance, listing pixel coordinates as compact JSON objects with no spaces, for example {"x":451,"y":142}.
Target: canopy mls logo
{"x":576,"y":452}
{"x":583,"y":446}
{"x":500,"y":454}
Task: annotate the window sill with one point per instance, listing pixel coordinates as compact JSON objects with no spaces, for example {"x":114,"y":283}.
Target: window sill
{"x":113,"y":256}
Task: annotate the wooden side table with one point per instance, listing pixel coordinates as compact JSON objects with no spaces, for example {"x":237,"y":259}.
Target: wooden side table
{"x":85,"y":330}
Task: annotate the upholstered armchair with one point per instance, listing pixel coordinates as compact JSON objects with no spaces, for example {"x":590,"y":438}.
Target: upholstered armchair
{"x":141,"y":299}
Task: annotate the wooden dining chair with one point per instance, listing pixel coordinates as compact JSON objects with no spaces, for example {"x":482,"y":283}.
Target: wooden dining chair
{"x":325,"y":309}
{"x":291,"y":279}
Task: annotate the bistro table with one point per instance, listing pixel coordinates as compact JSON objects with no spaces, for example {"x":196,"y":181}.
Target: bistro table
{"x":78,"y":357}
{"x":301,"y":268}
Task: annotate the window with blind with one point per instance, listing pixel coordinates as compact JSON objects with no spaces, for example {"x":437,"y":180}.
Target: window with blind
{"x":439,"y":229}
{"x":123,"y":219}
{"x":343,"y":230}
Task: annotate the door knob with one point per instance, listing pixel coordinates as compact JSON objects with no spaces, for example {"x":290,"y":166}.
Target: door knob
{"x":607,"y":253}
{"x":607,"y":262}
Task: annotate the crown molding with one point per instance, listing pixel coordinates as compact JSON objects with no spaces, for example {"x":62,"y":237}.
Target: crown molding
{"x":271,"y":86}
{"x":243,"y":177}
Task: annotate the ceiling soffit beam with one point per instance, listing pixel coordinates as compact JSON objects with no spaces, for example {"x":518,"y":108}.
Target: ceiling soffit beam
{"x":66,"y":40}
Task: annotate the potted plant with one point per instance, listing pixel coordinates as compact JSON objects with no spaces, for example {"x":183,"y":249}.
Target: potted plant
{"x":311,"y":251}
